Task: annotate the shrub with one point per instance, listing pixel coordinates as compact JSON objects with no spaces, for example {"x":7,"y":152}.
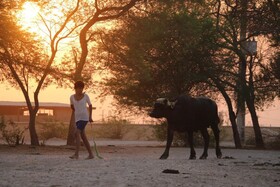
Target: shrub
{"x":113,"y":129}
{"x":11,"y":132}
{"x":275,"y":144}
{"x":53,"y":130}
{"x":160,"y":132}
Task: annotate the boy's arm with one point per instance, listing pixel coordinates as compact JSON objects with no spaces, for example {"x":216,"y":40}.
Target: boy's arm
{"x":72,"y":107}
{"x":90,"y":113}
{"x":71,"y":104}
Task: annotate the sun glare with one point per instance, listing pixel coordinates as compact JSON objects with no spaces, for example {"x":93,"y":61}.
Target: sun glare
{"x":30,"y":10}
{"x":28,"y":15}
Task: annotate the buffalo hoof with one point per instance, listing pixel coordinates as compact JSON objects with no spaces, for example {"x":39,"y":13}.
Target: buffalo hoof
{"x":219,"y":154}
{"x":192,"y":157}
{"x":163,"y":157}
{"x":203,"y":157}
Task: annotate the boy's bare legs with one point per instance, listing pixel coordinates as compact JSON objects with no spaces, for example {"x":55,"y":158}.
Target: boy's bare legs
{"x":85,"y":140}
{"x":78,"y":143}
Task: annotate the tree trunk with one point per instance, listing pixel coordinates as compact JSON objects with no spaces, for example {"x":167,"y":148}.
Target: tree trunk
{"x":32,"y":129}
{"x":71,"y":132}
{"x":255,"y":121}
{"x":232,"y":116}
{"x":235,"y":131}
{"x":250,"y":101}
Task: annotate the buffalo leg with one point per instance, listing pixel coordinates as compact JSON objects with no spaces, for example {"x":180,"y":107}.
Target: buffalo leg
{"x":168,"y":144}
{"x":217,"y":139}
{"x":205,"y":136}
{"x":190,"y":140}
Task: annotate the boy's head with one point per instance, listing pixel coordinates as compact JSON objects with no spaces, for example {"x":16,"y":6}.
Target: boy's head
{"x":79,"y":84}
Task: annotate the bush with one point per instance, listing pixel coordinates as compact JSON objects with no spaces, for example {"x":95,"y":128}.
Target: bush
{"x":11,"y":132}
{"x":113,"y":129}
{"x":53,"y":130}
{"x":275,"y":144}
{"x":250,"y":141}
{"x":160,"y":132}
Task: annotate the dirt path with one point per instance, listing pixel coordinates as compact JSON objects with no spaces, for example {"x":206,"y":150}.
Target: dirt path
{"x":136,"y":166}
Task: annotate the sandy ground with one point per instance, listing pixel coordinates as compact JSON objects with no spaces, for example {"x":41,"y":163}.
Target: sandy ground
{"x":132,"y":165}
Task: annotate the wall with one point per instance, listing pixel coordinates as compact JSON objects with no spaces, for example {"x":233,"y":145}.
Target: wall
{"x":267,"y":132}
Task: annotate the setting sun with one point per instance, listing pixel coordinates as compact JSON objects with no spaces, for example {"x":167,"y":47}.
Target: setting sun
{"x":28,"y":15}
{"x":30,"y":10}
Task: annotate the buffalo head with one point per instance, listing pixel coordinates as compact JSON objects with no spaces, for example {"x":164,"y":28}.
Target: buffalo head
{"x":161,"y":106}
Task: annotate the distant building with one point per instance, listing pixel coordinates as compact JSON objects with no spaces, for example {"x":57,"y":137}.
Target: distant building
{"x":18,"y":112}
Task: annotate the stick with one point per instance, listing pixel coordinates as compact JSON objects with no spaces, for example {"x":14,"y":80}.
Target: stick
{"x":95,"y":147}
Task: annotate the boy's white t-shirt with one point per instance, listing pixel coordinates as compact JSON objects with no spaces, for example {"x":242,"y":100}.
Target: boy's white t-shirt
{"x":81,"y":111}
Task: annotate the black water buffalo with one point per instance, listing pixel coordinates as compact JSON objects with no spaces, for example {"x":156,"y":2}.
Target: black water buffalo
{"x":188,"y":114}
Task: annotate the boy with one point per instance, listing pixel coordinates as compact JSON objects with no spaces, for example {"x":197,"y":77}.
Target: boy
{"x":79,"y":102}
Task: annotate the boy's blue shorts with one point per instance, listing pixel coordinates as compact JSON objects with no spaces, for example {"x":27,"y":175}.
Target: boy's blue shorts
{"x":81,"y":124}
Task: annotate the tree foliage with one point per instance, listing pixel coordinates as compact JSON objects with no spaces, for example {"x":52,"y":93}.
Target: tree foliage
{"x":18,"y":51}
{"x":157,"y":55}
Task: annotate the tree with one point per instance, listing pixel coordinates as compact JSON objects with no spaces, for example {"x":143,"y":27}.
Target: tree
{"x":157,"y":55}
{"x":62,"y":20}
{"x":164,"y":54}
{"x":270,"y":13}
{"x":139,"y":61}
{"x":100,"y":12}
{"x":232,"y":18}
{"x":20,"y":60}
{"x":22,"y":56}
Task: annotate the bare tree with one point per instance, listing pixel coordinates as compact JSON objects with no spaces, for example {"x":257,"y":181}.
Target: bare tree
{"x":232,"y":22}
{"x":19,"y":56}
{"x":102,"y":11}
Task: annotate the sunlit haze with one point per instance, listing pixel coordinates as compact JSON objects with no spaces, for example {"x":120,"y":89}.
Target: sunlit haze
{"x":29,"y":17}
